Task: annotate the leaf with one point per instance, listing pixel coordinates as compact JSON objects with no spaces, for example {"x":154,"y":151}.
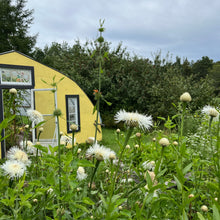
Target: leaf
{"x":42,"y":148}
{"x":200,"y":216}
{"x":179,"y":185}
{"x":85,"y":163}
{"x":161,"y":173}
{"x":187,"y":168}
{"x":88,"y":201}
{"x":216,"y":215}
{"x":104,"y":201}
{"x":26,"y":203}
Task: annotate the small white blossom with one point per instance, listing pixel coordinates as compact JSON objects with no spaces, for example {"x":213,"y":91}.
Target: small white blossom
{"x":185,"y":97}
{"x":134,"y":119}
{"x":81,"y":175}
{"x":35,"y":116}
{"x":100,"y":152}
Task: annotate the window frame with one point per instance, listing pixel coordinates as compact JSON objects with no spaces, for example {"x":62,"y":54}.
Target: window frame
{"x":68,"y":113}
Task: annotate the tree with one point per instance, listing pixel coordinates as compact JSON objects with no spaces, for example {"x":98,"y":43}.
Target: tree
{"x":15,"y":22}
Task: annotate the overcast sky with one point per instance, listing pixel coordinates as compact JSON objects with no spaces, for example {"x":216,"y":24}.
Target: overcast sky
{"x":185,"y":28}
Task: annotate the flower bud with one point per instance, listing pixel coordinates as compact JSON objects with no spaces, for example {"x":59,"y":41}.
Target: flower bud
{"x":13,"y":91}
{"x":73,"y":127}
{"x":204,"y":208}
{"x":185,"y":97}
{"x":164,"y":142}
{"x":118,"y":130}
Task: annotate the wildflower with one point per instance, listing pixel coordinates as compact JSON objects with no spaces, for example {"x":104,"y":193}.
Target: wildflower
{"x":91,"y":217}
{"x":112,"y":155}
{"x":134,"y":119}
{"x":16,"y":154}
{"x":66,"y":139}
{"x":154,"y":139}
{"x":35,"y":116}
{"x":49,"y":191}
{"x":13,"y":91}
{"x":191,"y":196}
{"x":118,"y":130}
{"x":13,"y":168}
{"x":164,"y":142}
{"x":211,"y":111}
{"x":100,"y":152}
{"x":81,"y":175}
{"x":61,"y":133}
{"x":216,"y":199}
{"x":138,"y":135}
{"x":185,"y":97}
{"x":107,"y":171}
{"x":152,"y":176}
{"x":175,"y":143}
{"x":127,"y":146}
{"x":35,"y":200}
{"x":26,"y":126}
{"x":41,"y":129}
{"x":73,"y":127}
{"x":120,"y":207}
{"x":90,"y":140}
{"x":204,"y":208}
{"x":79,"y":151}
{"x":136,"y":146}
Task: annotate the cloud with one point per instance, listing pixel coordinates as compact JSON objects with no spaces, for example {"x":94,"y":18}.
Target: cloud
{"x":184,"y":27}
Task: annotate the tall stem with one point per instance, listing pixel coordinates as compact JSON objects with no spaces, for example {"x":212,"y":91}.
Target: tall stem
{"x":59,"y":161}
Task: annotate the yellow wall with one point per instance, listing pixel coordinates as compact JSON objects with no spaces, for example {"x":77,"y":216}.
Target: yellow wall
{"x":65,"y":87}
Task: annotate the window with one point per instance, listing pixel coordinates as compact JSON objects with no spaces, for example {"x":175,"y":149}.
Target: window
{"x":72,"y":111}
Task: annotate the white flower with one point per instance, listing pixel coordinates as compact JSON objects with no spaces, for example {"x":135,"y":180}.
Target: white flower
{"x":90,"y":140}
{"x":185,"y":97}
{"x":35,"y":116}
{"x":211,"y":111}
{"x":100,"y":152}
{"x":13,"y":168}
{"x":17,"y":154}
{"x":49,"y":191}
{"x":66,"y":139}
{"x":134,"y":119}
{"x":81,"y":175}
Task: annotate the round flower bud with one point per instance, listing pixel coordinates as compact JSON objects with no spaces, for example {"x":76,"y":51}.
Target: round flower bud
{"x":73,"y":127}
{"x":216,"y":199}
{"x":120,"y":207}
{"x":154,"y":139}
{"x":13,"y":91}
{"x":91,"y":217}
{"x":38,"y":143}
{"x":57,"y":112}
{"x":35,"y":200}
{"x":61,"y":133}
{"x":79,"y":151}
{"x":138,"y":135}
{"x":90,"y":140}
{"x":78,"y":189}
{"x":112,"y":156}
{"x":213,"y":112}
{"x":185,"y":97}
{"x":175,"y":143}
{"x":26,"y":126}
{"x":204,"y":208}
{"x":127,"y":146}
{"x":107,"y":171}
{"x":118,"y":130}
{"x":164,"y":142}
{"x":41,"y":129}
{"x":136,"y":146}
{"x":191,"y":196}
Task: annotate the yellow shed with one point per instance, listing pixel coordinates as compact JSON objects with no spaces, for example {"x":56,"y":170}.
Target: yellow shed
{"x":20,"y":71}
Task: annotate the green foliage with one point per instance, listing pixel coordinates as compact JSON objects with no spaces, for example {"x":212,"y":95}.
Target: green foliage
{"x":15,"y":22}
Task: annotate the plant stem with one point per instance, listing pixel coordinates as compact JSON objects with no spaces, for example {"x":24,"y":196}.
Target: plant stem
{"x":96,"y":167}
